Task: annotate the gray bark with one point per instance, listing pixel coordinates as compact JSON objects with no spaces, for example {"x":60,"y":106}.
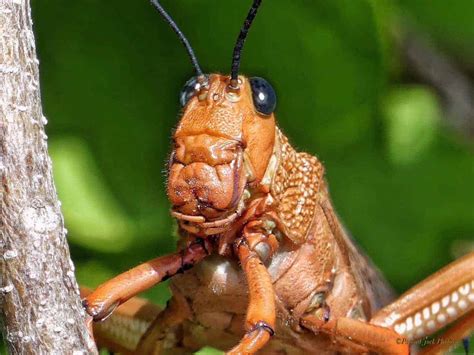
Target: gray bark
{"x":39,"y":296}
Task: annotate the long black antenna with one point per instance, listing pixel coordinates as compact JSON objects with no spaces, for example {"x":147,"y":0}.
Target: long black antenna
{"x":234,"y":73}
{"x":181,"y":36}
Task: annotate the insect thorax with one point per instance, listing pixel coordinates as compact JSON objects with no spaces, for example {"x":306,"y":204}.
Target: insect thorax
{"x":296,"y":187}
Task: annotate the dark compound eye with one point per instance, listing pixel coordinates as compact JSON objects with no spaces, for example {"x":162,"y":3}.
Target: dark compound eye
{"x":191,"y":87}
{"x":264,"y":97}
{"x":188,"y":91}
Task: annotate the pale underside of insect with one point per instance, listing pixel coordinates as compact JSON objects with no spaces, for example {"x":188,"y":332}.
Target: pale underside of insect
{"x":271,"y":269}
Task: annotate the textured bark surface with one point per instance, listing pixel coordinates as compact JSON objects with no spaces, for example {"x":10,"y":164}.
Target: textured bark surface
{"x":41,"y":309}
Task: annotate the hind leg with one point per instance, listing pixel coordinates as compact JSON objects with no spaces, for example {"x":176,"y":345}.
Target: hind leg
{"x":165,"y":334}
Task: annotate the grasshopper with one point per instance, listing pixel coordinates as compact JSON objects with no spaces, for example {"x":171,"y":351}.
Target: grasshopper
{"x":264,"y":263}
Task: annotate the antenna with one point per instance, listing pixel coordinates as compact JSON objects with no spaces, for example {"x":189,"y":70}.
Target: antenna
{"x":181,"y":36}
{"x":234,"y":73}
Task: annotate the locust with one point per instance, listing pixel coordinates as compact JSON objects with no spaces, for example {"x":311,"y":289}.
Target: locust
{"x":263,"y":262}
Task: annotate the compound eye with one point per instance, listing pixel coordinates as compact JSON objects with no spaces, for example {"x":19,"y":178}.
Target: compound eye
{"x":188,"y":91}
{"x":264,"y":97}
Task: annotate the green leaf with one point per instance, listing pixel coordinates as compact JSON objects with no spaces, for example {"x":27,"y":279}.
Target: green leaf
{"x":412,"y":115}
{"x":93,"y":216}
{"x":209,"y":351}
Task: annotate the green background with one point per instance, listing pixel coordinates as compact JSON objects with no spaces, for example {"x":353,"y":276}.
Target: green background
{"x":400,"y":177}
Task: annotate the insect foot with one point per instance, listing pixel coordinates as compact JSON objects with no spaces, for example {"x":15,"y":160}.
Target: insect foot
{"x":260,"y":332}
{"x":99,"y":311}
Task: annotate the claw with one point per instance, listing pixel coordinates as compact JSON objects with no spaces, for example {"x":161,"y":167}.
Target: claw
{"x":97,"y":312}
{"x":263,"y":325}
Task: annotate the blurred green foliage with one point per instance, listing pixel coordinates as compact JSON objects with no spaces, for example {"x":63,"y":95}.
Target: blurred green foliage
{"x":412,"y":116}
{"x":111,"y":73}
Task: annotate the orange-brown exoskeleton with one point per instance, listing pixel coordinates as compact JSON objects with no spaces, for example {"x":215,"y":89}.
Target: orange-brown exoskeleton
{"x":271,"y":269}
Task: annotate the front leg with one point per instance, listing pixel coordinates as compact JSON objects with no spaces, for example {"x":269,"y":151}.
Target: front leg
{"x":260,"y":321}
{"x":102,"y":302}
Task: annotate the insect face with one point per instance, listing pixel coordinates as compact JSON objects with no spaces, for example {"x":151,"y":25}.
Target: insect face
{"x":223,"y":144}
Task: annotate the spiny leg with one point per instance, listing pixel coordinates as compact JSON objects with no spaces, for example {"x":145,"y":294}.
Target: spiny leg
{"x":357,"y":335}
{"x":426,"y":308}
{"x":260,"y":320}
{"x":435,"y":302}
{"x":101,"y":302}
{"x":460,"y":330}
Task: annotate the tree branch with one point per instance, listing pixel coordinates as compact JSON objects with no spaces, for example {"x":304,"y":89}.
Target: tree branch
{"x":438,"y":70}
{"x":41,"y":309}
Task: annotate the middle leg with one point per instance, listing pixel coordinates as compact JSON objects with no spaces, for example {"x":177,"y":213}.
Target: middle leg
{"x":357,"y":335}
